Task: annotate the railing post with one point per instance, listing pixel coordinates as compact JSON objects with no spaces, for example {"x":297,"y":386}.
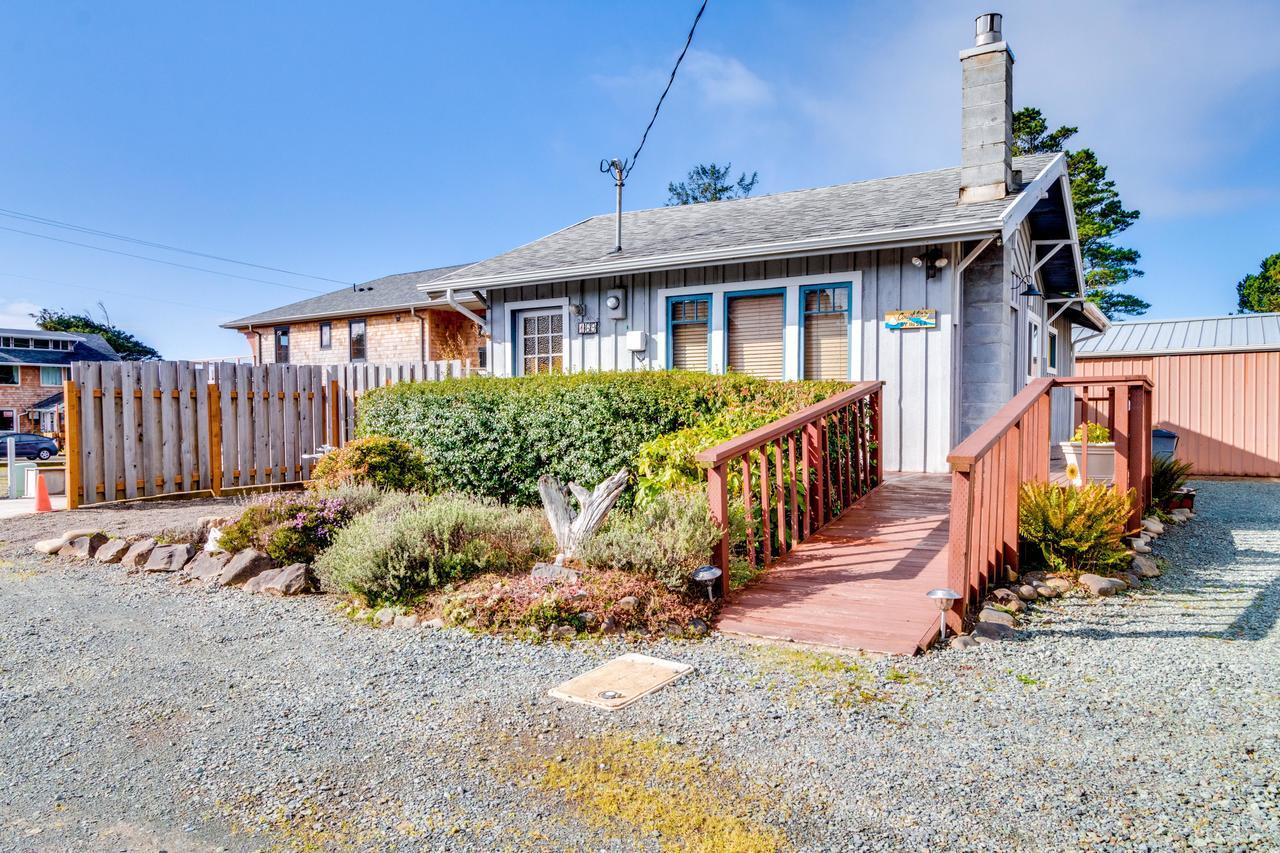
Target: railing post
{"x":718,"y":498}
{"x":1010,"y":503}
{"x":961,"y":536}
{"x":877,"y":432}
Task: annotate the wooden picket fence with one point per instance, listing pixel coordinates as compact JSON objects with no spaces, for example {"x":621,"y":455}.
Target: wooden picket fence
{"x":146,"y":429}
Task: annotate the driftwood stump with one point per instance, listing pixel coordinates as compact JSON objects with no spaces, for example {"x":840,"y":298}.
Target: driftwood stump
{"x":572,"y":528}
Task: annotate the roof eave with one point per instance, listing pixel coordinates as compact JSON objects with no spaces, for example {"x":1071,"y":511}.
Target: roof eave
{"x":1177,"y":351}
{"x":250,"y":322}
{"x":763,"y":251}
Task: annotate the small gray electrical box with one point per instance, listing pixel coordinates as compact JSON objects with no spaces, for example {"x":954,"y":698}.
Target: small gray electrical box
{"x":615,"y":303}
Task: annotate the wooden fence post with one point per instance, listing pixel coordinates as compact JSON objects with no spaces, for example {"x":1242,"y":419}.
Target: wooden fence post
{"x":71,"y":400}
{"x":335,"y":434}
{"x":215,"y":438}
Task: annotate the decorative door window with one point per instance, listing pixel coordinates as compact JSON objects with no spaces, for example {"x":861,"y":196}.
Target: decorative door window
{"x":540,"y":348}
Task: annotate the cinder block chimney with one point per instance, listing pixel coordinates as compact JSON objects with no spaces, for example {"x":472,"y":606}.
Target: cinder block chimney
{"x":986,"y":123}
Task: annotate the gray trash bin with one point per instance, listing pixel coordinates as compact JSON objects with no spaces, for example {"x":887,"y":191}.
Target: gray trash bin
{"x":1163,"y":443}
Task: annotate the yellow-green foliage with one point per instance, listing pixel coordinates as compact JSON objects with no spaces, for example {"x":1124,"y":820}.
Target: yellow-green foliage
{"x":847,"y":682}
{"x":1076,"y":529}
{"x":1098,"y":434}
{"x":632,"y":789}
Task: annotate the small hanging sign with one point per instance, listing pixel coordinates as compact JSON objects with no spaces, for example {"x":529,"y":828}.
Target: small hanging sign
{"x":917,"y":318}
{"x":588,"y":327}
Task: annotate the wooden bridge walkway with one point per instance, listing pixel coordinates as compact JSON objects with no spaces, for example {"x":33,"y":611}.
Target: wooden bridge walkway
{"x":859,"y":582}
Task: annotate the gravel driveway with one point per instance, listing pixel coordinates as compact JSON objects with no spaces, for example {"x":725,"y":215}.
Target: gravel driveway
{"x":137,"y":714}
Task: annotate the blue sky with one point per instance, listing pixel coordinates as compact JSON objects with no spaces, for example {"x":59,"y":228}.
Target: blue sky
{"x":357,"y":140}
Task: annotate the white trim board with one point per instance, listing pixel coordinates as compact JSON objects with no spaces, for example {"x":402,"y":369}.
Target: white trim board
{"x":510,"y":310}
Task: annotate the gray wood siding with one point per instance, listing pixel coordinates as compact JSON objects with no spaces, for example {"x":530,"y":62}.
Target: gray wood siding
{"x":915,"y":365}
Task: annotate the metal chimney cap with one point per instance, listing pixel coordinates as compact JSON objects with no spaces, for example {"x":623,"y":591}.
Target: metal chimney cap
{"x":986,"y":29}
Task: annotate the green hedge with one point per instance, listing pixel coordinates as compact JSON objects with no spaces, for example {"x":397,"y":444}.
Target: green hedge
{"x":495,"y":437}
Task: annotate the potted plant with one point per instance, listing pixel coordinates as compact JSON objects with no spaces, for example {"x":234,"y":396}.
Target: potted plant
{"x":1100,"y":464}
{"x":1168,"y":483}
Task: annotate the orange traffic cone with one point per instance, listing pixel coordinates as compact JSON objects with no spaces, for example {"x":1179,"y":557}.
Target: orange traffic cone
{"x":42,"y":495}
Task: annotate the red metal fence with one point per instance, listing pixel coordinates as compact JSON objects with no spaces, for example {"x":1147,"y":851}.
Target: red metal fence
{"x":794,"y":475}
{"x":1013,"y":447}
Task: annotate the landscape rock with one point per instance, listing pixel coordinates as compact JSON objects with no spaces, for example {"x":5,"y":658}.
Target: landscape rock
{"x":990,"y":614}
{"x":434,"y":623}
{"x":1013,"y":604}
{"x":610,"y":625}
{"x":562,"y":632}
{"x":699,"y":627}
{"x":1131,"y":579}
{"x":1140,"y":546}
{"x":168,"y":558}
{"x":1098,"y":585}
{"x":386,"y":617}
{"x":112,"y":551}
{"x":992,"y":632}
{"x":1046,"y":591}
{"x":256,"y":583}
{"x":1152,"y":525}
{"x":962,"y":641}
{"x":206,"y":566}
{"x":291,"y":580}
{"x":673,"y":629}
{"x":243,"y":566}
{"x":629,"y":603}
{"x":406,"y":620}
{"x":1182,"y":514}
{"x":551,"y":571}
{"x":1005,"y":595}
{"x":1060,"y":584}
{"x":83,"y":547}
{"x":138,"y":553}
{"x":1027,"y":592}
{"x":1145,"y":567}
{"x":54,"y":545}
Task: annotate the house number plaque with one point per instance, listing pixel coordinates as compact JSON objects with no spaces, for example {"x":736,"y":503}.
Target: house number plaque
{"x":588,"y":327}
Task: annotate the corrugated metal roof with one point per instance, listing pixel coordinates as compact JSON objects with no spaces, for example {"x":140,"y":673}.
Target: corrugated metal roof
{"x":1233,"y":333}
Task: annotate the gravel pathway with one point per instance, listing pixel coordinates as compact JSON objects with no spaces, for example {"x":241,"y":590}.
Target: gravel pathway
{"x":138,"y":714}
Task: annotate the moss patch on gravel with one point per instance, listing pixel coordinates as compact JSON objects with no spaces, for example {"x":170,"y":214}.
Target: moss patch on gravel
{"x":848,"y":682}
{"x":629,"y":788}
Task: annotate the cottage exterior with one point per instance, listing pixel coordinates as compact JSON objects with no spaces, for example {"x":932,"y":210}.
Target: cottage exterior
{"x":387,"y":320}
{"x":1215,"y":384}
{"x":33,"y":365}
{"x":953,"y":286}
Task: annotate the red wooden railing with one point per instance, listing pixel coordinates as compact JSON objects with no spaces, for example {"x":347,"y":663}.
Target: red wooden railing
{"x":1013,"y":447}
{"x":794,"y":475}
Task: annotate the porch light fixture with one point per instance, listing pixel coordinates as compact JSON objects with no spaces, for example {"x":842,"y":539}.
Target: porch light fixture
{"x":932,"y":261}
{"x":707,"y":576}
{"x":1028,"y":284}
{"x":942,"y":597}
{"x":577,"y":309}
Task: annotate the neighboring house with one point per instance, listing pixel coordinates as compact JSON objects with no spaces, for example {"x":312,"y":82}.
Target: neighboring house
{"x":808,"y":284}
{"x":33,"y":365}
{"x":1216,"y":381}
{"x":382,"y":321}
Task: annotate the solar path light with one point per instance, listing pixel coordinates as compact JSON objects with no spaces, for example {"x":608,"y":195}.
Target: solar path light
{"x":707,"y":576}
{"x":943,"y":597}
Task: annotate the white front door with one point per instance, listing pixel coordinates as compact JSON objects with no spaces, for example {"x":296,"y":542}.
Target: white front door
{"x":540,"y":341}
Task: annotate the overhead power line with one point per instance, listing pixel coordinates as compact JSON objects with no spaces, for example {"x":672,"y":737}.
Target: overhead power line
{"x":160,"y":260}
{"x":83,"y":229}
{"x":688,"y":41}
{"x":96,"y":289}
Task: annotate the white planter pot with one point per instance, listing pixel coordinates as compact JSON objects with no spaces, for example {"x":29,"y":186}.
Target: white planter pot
{"x":1102,"y":459}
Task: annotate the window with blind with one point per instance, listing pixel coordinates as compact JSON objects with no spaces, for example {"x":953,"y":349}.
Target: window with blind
{"x":690,"y":323}
{"x":826,"y":331}
{"x":756,"y":334}
{"x":541,"y":344}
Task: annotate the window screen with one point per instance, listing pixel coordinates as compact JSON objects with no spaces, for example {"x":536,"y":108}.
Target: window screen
{"x":690,"y":330}
{"x":826,"y":332}
{"x":755,"y":335}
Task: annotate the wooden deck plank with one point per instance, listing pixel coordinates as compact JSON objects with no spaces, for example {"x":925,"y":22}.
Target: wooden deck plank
{"x":860,"y":582}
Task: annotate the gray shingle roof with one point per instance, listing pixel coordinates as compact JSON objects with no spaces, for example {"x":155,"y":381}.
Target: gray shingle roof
{"x":923,"y":202}
{"x":381,"y":294}
{"x":88,"y":347}
{"x":1232,"y":333}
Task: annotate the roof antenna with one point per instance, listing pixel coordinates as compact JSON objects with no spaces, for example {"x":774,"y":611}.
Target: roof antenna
{"x":620,"y":169}
{"x":617,"y":168}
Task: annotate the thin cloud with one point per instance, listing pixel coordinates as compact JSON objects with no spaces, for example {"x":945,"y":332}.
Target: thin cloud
{"x":17,"y":314}
{"x":725,"y":81}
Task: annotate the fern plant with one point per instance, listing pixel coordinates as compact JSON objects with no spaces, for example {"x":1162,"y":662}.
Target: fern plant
{"x":1075,"y":529}
{"x":1167,"y":476}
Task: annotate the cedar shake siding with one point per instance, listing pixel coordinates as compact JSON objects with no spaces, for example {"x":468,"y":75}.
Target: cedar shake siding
{"x":20,"y":398}
{"x":402,"y":336}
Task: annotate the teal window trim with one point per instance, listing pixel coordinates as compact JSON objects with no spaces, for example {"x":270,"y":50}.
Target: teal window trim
{"x":766,"y":291}
{"x":847,"y":287}
{"x":672,"y":323}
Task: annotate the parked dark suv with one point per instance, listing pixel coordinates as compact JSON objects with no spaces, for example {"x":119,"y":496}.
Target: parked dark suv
{"x":28,"y":446}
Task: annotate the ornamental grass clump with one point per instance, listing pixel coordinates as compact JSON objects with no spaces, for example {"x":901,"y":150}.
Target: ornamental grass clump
{"x":410,"y":544}
{"x":1167,"y":476}
{"x":666,"y":538}
{"x":1075,"y":528}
